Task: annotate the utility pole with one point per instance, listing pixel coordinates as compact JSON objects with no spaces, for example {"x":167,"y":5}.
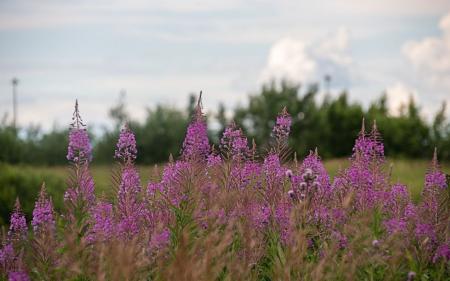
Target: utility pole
{"x":14,"y":82}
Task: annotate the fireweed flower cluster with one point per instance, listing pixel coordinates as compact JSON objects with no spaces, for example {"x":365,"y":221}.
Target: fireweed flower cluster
{"x":43,"y":213}
{"x":282,"y":126}
{"x":18,"y":227}
{"x":196,"y":144}
{"x":264,"y":200}
{"x":126,"y":146}
{"x":79,"y":195}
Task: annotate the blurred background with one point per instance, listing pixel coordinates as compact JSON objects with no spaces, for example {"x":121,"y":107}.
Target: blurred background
{"x":332,"y":63}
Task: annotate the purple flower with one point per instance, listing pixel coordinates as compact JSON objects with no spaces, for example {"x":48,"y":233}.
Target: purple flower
{"x":369,"y":147}
{"x":313,"y":164}
{"x":102,"y":222}
{"x":425,"y":230}
{"x":7,"y":256}
{"x":214,"y":160}
{"x":234,"y":144}
{"x":396,"y":226}
{"x":160,"y":239}
{"x":259,"y":215}
{"x":82,"y":194}
{"x":153,"y":187}
{"x":18,"y":276}
{"x":375,"y":243}
{"x":80,"y":148}
{"x":282,"y":218}
{"x":442,"y":252}
{"x":130,"y":186}
{"x":341,"y":239}
{"x":273,"y":170}
{"x":43,"y":214}
{"x":411,"y":275}
{"x":196,"y":143}
{"x":18,"y":224}
{"x":126,"y":146}
{"x":410,"y":211}
{"x":282,"y":126}
{"x":130,"y":209}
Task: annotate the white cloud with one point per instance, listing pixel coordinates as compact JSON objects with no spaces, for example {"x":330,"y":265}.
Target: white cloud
{"x":398,"y":96}
{"x":431,"y":56}
{"x":298,"y":61}
{"x":430,"y":61}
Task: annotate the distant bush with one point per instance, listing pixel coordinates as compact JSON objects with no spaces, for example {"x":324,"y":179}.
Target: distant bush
{"x":329,"y":124}
{"x":24,"y":183}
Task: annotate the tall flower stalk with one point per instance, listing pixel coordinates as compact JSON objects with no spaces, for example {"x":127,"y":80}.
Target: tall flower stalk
{"x":79,"y":196}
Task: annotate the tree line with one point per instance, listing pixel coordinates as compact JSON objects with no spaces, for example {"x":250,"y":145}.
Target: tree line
{"x":330,"y":125}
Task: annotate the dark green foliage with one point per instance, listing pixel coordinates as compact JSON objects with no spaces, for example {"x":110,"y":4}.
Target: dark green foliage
{"x":330,"y":125}
{"x":24,"y":183}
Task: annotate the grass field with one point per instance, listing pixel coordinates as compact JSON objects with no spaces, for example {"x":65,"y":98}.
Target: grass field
{"x":25,"y":181}
{"x":406,"y":171}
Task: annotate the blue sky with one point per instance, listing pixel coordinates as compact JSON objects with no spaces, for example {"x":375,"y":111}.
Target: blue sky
{"x":159,"y":51}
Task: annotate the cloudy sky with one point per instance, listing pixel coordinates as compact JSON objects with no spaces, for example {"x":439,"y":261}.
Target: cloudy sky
{"x":159,"y":51}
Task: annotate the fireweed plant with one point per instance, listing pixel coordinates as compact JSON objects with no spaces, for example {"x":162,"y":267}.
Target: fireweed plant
{"x":229,"y":213}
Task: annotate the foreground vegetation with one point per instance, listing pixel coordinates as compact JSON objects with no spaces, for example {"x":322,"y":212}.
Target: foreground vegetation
{"x":24,"y":181}
{"x":232,"y":213}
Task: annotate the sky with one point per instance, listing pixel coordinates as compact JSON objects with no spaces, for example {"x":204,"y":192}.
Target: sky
{"x":160,"y":51}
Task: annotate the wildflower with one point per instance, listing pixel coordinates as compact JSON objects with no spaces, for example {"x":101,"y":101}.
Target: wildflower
{"x":282,"y":126}
{"x":103,"y":224}
{"x":18,"y":224}
{"x":312,"y":166}
{"x":214,"y":160}
{"x":234,"y":144}
{"x":80,"y":148}
{"x":80,"y":193}
{"x":153,"y":187}
{"x":341,"y":239}
{"x":396,"y":225}
{"x":126,"y":146}
{"x":160,"y":239}
{"x":18,"y":276}
{"x":196,"y":143}
{"x":289,"y":173}
{"x":411,"y":275}
{"x":83,"y":191}
{"x":43,"y":215}
{"x":425,"y":231}
{"x":259,"y":215}
{"x":442,"y":252}
{"x":282,"y":217}
{"x":375,"y":243}
{"x":7,"y":256}
{"x":130,"y":208}
{"x":434,"y":177}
